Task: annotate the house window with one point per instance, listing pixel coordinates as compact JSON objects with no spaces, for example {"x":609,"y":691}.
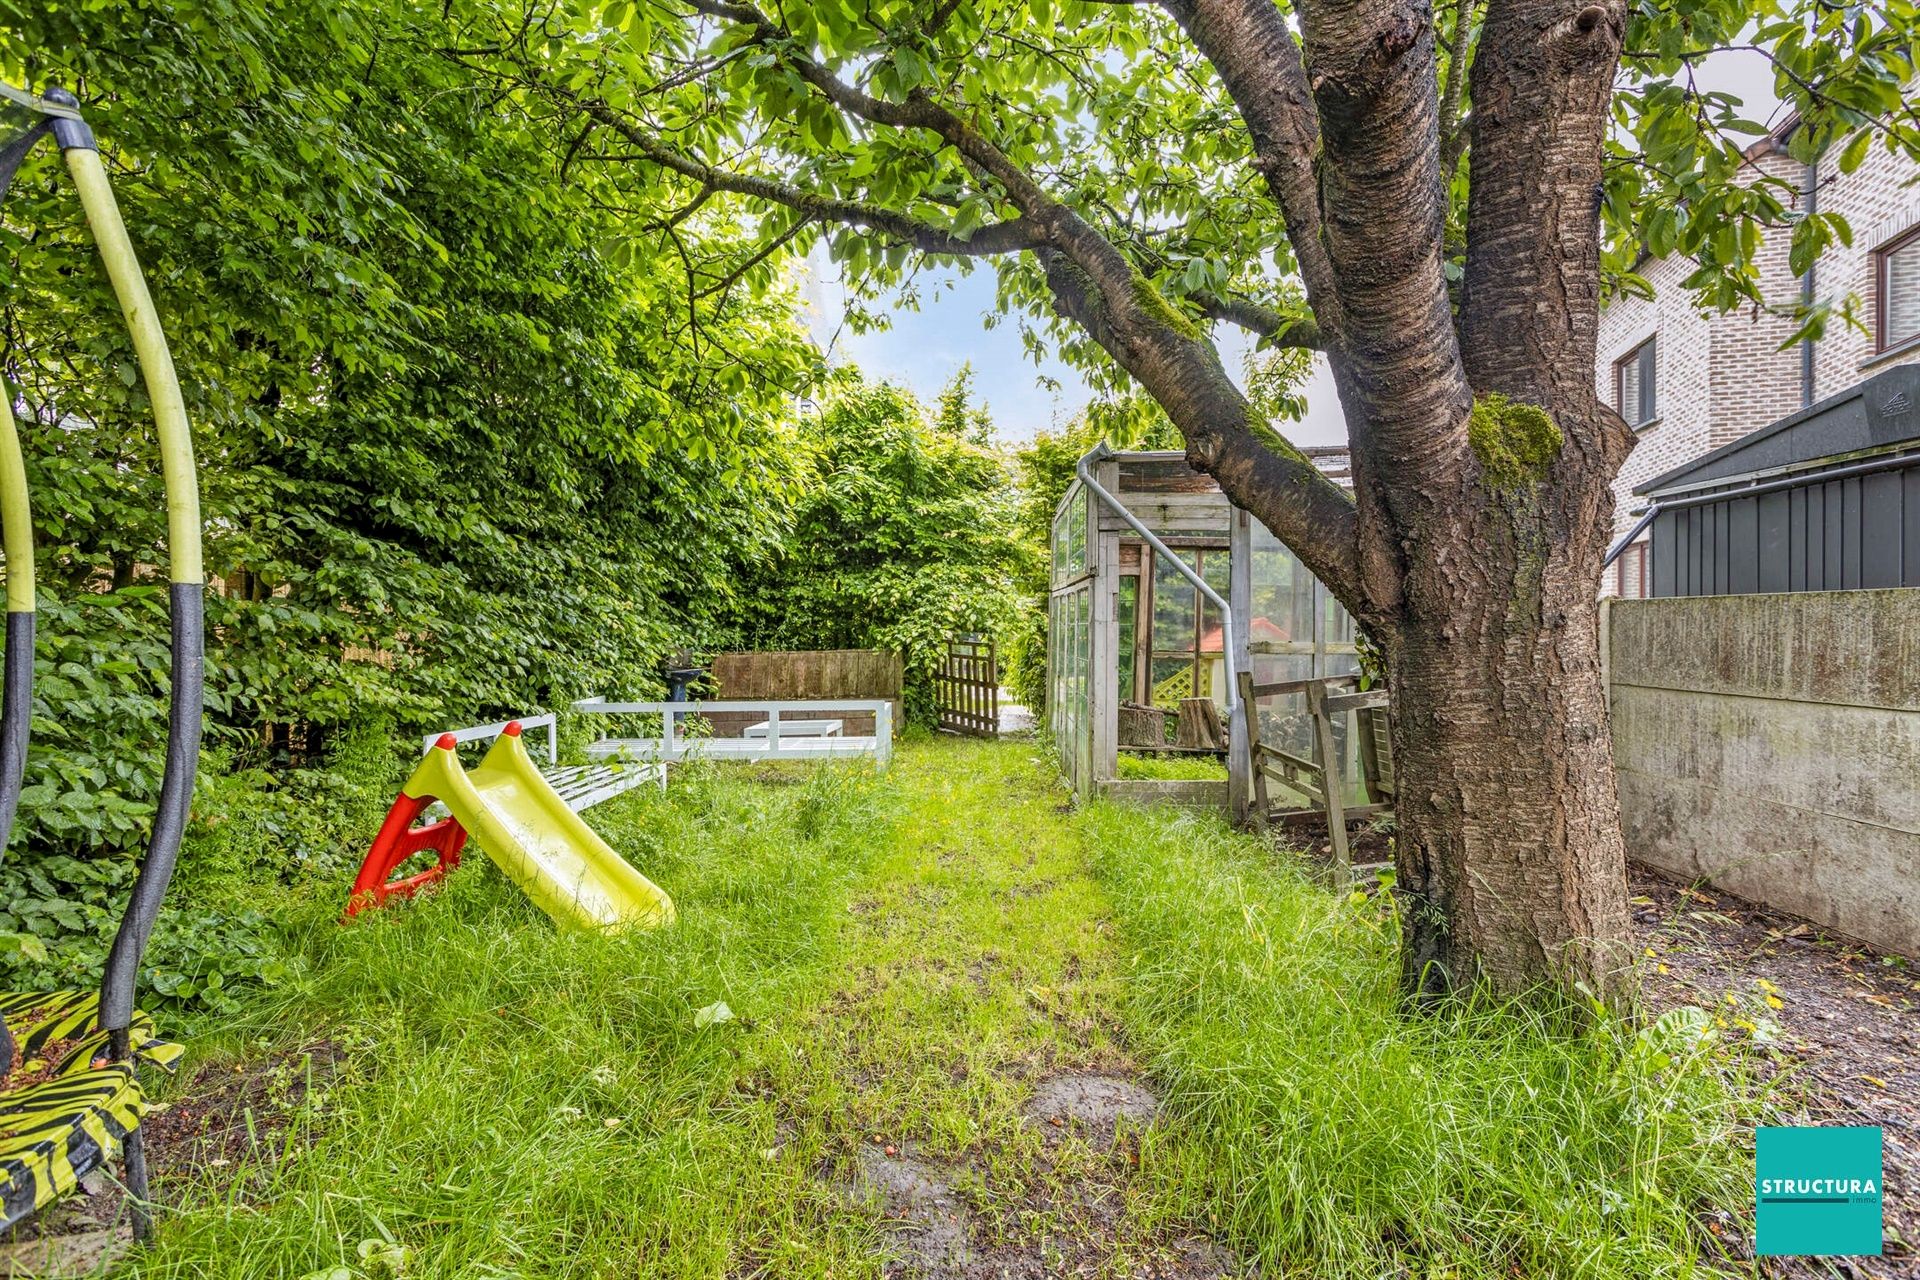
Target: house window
{"x":1633,"y":382}
{"x":1630,"y":572}
{"x":1899,"y":290}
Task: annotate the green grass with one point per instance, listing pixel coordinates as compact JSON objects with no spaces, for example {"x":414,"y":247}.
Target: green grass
{"x":1325,"y":1131}
{"x":523,"y":1101}
{"x":903,"y":954}
{"x":1171,"y":767}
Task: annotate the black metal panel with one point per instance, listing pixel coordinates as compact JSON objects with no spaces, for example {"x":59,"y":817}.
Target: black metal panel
{"x":1734,"y":547}
{"x":1858,"y":532}
{"x":1880,"y":503}
{"x":1834,"y":544}
{"x":1813,"y":538}
{"x":1666,"y":543}
{"x":1910,"y":523}
{"x":1772,"y":537}
{"x":1850,"y":525}
{"x":1794,"y":553}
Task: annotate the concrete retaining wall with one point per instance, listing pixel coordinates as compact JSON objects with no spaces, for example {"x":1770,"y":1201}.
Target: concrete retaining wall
{"x":1771,"y":744}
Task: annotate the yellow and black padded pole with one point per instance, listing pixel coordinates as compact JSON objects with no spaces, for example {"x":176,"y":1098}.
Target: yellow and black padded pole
{"x":23,"y":128}
{"x":186,"y":598}
{"x":16,"y":684}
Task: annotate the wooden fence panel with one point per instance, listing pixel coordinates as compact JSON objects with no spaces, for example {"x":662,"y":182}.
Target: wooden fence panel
{"x":967,"y":688}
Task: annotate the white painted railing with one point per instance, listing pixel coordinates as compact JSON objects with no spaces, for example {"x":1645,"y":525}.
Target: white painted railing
{"x":491,"y":731}
{"x":813,"y":730}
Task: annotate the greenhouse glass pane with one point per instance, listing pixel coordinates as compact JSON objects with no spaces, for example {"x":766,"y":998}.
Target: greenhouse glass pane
{"x":1284,"y":596}
{"x":1127,"y":619}
{"x":1216,"y":572}
{"x":1172,"y":680}
{"x":1173,"y":605}
{"x":1076,"y":548}
{"x":1070,"y":540}
{"x":1339,"y":628}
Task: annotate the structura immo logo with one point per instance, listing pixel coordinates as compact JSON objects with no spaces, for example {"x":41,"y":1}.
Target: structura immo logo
{"x":1817,"y":1190}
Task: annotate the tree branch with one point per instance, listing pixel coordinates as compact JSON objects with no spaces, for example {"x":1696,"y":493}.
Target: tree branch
{"x":995,"y":237}
{"x":1279,"y":328}
{"x":1094,"y":284}
{"x":1453,"y":133}
{"x":1226,"y":437}
{"x":1248,"y":43}
{"x":917,"y":112}
{"x":1530,"y":307}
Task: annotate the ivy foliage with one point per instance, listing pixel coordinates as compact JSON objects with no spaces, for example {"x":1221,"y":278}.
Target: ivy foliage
{"x":469,"y":443}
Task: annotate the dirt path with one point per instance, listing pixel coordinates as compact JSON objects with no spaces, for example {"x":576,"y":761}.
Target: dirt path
{"x":1836,"y":1019}
{"x":995,"y":1112}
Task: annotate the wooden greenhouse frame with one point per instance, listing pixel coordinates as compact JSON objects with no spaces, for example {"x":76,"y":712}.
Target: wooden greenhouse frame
{"x":1122,"y":612}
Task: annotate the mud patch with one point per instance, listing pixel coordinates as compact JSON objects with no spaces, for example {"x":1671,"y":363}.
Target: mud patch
{"x":225,"y":1121}
{"x":925,"y":1220}
{"x":1066,"y":1216}
{"x":234,"y":1114}
{"x":1092,"y":1108}
{"x":58,"y":1256}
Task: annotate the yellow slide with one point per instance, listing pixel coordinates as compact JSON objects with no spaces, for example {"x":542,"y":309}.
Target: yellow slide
{"x":524,"y":826}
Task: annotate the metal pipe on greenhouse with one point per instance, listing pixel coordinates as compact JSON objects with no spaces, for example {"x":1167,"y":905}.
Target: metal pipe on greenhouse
{"x":1084,"y":470}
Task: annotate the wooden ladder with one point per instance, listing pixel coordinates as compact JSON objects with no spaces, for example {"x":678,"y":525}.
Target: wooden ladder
{"x":1321,"y":782}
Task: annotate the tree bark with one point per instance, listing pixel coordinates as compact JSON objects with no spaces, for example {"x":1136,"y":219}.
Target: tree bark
{"x":1511,"y":863}
{"x":1510,"y":867}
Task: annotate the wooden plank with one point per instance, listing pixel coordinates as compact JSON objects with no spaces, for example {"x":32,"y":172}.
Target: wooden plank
{"x":1159,"y":475}
{"x":1330,"y":773}
{"x":1282,"y":687}
{"x":1305,"y":785}
{"x":1250,"y":718}
{"x":1317,"y":815}
{"x":1338,"y":704}
{"x":1286,"y":757}
{"x":1376,"y":734}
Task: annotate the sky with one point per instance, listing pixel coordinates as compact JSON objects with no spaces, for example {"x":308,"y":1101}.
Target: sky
{"x":922,"y":348}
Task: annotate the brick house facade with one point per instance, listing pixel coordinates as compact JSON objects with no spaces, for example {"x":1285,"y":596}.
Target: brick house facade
{"x":1701,"y":381}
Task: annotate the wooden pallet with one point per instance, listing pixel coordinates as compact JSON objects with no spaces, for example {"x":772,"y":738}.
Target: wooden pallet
{"x":582,"y":786}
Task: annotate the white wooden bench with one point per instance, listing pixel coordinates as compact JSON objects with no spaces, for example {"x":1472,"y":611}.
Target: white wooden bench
{"x":581,"y":786}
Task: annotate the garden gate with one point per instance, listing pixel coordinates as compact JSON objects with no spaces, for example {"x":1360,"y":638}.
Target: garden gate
{"x":967,"y":688}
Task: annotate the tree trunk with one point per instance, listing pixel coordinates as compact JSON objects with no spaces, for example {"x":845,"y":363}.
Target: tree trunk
{"x":1510,"y":862}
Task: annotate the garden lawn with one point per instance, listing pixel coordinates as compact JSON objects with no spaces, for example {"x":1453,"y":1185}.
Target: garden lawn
{"x":869,"y":961}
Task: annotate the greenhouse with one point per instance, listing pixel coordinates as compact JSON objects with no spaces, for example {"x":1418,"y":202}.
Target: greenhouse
{"x":1142,"y":657}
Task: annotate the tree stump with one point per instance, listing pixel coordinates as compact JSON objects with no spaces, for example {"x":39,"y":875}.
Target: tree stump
{"x":1199,"y":725}
{"x":1142,"y":726}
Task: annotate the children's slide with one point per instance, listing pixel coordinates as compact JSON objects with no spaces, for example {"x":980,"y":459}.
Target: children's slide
{"x":523,"y":825}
